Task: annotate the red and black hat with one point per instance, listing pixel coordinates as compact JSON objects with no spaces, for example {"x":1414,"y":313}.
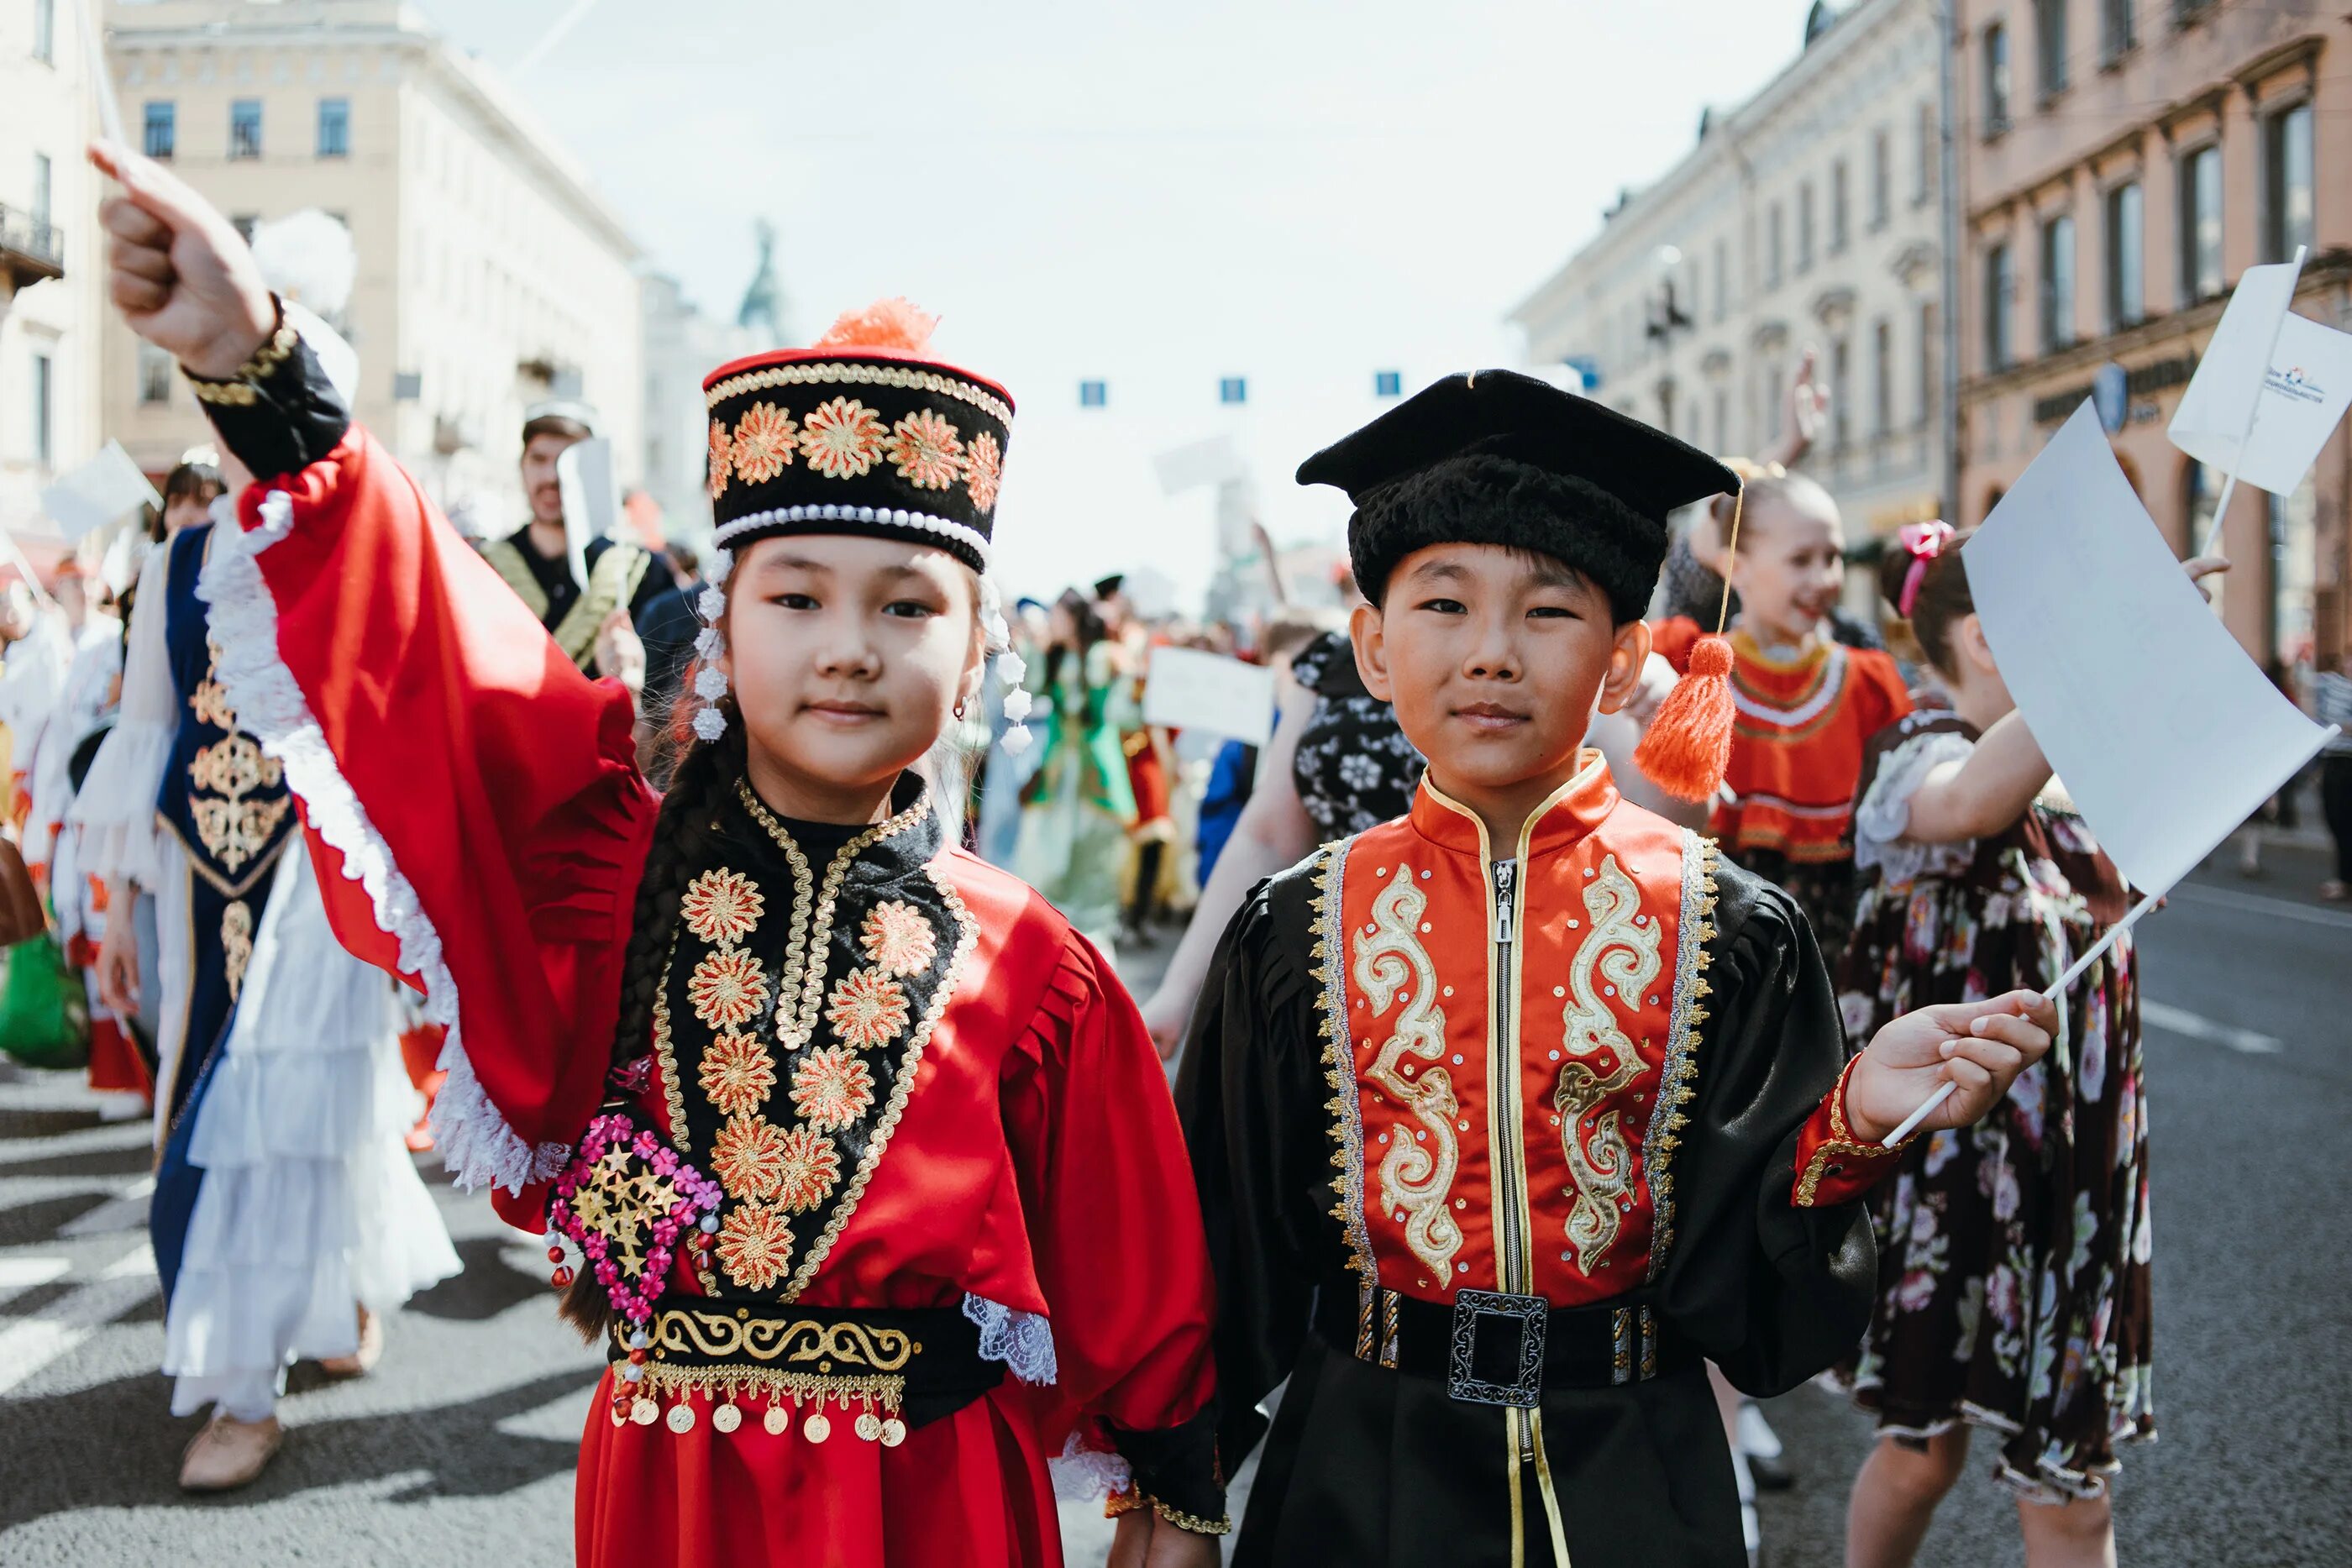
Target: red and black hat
{"x":863,"y":433}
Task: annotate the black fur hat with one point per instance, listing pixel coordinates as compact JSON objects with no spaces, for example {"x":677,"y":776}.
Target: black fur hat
{"x":1497,"y":457}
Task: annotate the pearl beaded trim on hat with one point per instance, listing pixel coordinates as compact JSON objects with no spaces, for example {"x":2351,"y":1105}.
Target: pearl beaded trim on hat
{"x":969,"y":538}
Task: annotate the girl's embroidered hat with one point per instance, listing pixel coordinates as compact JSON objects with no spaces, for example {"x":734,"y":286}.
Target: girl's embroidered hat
{"x":862,"y":434}
{"x":1497,"y":457}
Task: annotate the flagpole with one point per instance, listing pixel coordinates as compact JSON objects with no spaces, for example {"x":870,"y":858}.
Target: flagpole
{"x":109,"y":112}
{"x":32,"y":578}
{"x":2056,"y":993}
{"x":2253,"y":412}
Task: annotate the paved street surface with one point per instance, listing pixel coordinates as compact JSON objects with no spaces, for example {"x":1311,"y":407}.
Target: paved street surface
{"x":459,"y":1450}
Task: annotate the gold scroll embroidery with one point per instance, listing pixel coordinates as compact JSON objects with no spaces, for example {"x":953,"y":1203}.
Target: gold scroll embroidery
{"x":1600,"y":1060}
{"x":237,"y":943}
{"x":1417,"y":1172}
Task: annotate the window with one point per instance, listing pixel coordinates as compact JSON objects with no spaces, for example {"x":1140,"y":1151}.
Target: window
{"x":1775,"y":388}
{"x":161,"y":132}
{"x":44,"y":409}
{"x":1722,"y":270}
{"x":2197,"y":503}
{"x":1772,"y":249}
{"x":1930,"y":338}
{"x":1882,"y":377}
{"x":2126,"y":298}
{"x":1930,"y":147}
{"x":1841,"y":400}
{"x":2186,"y":11}
{"x":1999,"y":288}
{"x":1722,"y":420}
{"x":1837,"y":207}
{"x":2286,"y":182}
{"x":245,"y":224}
{"x":154,"y":375}
{"x":2118,"y":30}
{"x":2050,"y":45}
{"x":43,"y":189}
{"x":245,"y":128}
{"x":2057,"y":284}
{"x":1805,"y":226}
{"x":334,"y":127}
{"x":1881,"y":176}
{"x":2201,"y":225}
{"x":1995,"y":81}
{"x":44,"y":31}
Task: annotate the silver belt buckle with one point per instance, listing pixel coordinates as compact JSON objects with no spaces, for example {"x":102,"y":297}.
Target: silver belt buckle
{"x":1527,"y":1316}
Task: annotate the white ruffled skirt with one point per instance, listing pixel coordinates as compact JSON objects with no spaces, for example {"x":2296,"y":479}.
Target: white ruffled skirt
{"x":311,"y":1203}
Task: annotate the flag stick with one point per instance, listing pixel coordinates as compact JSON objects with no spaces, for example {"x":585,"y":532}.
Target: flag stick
{"x":32,"y":578}
{"x":549,"y":39}
{"x":2253,"y":412}
{"x":109,"y":113}
{"x":2056,"y":993}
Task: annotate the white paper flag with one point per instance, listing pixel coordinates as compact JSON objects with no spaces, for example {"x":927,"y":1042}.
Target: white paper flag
{"x":1184,"y":688}
{"x":2163,"y":730}
{"x":2301,"y":370}
{"x":94,"y":495}
{"x":592,"y":500}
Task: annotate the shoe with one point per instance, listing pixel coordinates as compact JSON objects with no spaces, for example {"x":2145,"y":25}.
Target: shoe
{"x":229,"y":1454}
{"x":361,"y":1362}
{"x":1772,"y":1475}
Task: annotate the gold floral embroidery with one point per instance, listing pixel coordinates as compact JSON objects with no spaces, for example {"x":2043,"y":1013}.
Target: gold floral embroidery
{"x":927,"y":451}
{"x":723,"y":459}
{"x":897,"y":939}
{"x":727,"y":988}
{"x":1416,"y":1174}
{"x":755,"y":1245}
{"x":235,"y":831}
{"x":842,"y":438}
{"x":811,"y":1167}
{"x":1663,"y":1136}
{"x":237,"y":943}
{"x":209,"y":701}
{"x":1600,"y":1060}
{"x":764,"y":439}
{"x":868,"y":1008}
{"x":748,"y":1157}
{"x":984,"y":467}
{"x":737,"y":1073}
{"x":723,"y":906}
{"x":832,"y":1087}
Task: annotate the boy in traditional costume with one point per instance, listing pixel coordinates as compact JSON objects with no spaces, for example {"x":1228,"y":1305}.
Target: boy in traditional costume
{"x":1578,"y":1085}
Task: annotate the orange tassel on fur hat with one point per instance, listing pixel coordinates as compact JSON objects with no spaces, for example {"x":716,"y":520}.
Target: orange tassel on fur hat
{"x":1688,"y":747}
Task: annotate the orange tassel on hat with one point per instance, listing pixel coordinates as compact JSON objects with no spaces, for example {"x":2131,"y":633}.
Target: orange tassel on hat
{"x":1688,"y":747}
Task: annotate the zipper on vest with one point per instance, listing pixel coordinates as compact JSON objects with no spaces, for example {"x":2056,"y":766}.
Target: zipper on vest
{"x":1509,"y":1157}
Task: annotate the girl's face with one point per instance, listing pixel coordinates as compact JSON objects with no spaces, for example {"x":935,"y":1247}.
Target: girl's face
{"x":1790,"y":567}
{"x":848,"y":656}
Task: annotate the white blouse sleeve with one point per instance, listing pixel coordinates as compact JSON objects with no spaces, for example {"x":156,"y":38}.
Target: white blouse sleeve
{"x":1882,"y":818}
{"x":116,"y":806}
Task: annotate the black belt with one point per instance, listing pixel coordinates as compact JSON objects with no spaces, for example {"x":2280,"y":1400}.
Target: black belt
{"x":895,"y":1368}
{"x":1494,"y":1349}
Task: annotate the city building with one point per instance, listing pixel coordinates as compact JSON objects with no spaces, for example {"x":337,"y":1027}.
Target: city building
{"x":682,"y":346}
{"x":50,"y":266}
{"x":490,"y":274}
{"x":1806,"y":217}
{"x":2125,"y":162}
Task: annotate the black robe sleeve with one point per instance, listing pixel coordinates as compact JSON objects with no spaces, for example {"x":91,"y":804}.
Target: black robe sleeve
{"x":1251,"y":1095}
{"x":1773,"y":1293}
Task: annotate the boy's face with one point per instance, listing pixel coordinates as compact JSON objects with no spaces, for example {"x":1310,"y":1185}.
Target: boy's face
{"x":1494,"y":658}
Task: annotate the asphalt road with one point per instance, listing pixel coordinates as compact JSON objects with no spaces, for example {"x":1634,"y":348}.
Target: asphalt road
{"x":459,"y":1451}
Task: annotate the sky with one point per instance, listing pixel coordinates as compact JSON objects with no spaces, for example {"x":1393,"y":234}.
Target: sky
{"x":1296,"y":193}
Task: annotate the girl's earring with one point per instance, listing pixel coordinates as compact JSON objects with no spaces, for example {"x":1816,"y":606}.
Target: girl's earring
{"x":958,"y":707}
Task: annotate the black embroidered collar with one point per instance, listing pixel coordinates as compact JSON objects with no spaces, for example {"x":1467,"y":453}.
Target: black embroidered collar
{"x":793,"y":1012}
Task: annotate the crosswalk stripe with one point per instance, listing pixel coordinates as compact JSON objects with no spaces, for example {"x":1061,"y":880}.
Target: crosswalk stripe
{"x":61,"y":1328}
{"x":126,"y":1212}
{"x":2181,"y":1021}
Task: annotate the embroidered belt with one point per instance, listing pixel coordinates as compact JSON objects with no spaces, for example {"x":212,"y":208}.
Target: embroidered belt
{"x":1496,"y":1349}
{"x":896,"y":1369}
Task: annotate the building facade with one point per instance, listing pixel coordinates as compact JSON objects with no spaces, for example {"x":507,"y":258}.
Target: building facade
{"x":1806,"y":217}
{"x":682,"y":345}
{"x":2125,"y":162}
{"x":51,"y":265}
{"x":490,"y":274}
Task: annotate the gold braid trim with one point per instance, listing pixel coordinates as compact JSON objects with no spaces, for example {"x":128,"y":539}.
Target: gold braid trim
{"x":885,"y":1395}
{"x":859,"y":375}
{"x":1339,"y":1069}
{"x":1198,"y":1526}
{"x":237,"y":392}
{"x":1676,"y":1076}
{"x":1842,"y":1144}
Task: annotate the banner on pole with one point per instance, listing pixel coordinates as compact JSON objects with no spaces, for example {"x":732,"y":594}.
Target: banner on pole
{"x":96,"y":494}
{"x":2162,"y":730}
{"x":2275,"y":380}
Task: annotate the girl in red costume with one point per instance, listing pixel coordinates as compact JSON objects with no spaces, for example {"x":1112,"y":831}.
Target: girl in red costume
{"x":862,"y":1156}
{"x":1805,"y":703}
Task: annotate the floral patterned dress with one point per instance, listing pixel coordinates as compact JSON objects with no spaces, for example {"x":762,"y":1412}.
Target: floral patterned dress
{"x":2013,"y":1256}
{"x":1354,"y":769}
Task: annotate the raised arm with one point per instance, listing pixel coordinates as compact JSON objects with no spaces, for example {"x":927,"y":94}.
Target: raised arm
{"x":473,"y":802}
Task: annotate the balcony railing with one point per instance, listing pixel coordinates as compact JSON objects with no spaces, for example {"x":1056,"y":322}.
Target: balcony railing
{"x":31,"y":247}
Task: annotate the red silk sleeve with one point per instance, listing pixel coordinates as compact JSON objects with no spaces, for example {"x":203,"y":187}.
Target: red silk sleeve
{"x":1114,"y":1224}
{"x":1833,"y":1166}
{"x":472,"y":799}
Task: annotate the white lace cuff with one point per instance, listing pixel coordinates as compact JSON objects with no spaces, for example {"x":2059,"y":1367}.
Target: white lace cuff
{"x":1087,"y":1475}
{"x":1882,"y":818}
{"x":1021,"y":1340}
